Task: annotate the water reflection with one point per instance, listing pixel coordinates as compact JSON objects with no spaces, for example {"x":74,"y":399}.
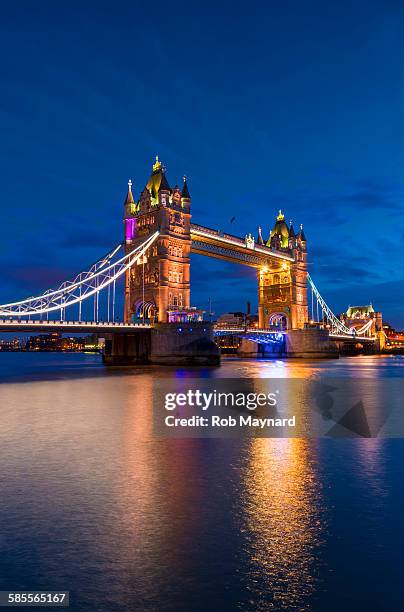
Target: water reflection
{"x":370,"y":456}
{"x":283,"y":523}
{"x":90,"y":500}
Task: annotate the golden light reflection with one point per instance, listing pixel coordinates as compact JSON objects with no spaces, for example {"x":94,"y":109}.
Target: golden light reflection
{"x":156,"y":487}
{"x":282,"y":522}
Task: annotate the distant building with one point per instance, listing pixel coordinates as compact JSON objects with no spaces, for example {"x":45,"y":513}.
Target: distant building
{"x":394,"y":338}
{"x":93,"y":343}
{"x":54,"y":342}
{"x":229,"y":319}
{"x":11,"y":345}
{"x":230,"y":343}
{"x":237,"y":319}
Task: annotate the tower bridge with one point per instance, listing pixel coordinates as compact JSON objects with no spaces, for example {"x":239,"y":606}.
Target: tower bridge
{"x":163,"y":287}
{"x":160,"y":325}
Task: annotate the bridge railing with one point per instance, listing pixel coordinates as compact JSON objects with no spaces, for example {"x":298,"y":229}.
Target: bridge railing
{"x":65,"y":323}
{"x":228,"y":327}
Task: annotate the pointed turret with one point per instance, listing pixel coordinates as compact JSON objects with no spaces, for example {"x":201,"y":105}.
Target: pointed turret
{"x":185,"y":191}
{"x":164,"y":186}
{"x":291,"y":231}
{"x":292,"y":236}
{"x":129,"y":197}
{"x":130,"y":210}
{"x":260,"y":239}
{"x":301,"y":235}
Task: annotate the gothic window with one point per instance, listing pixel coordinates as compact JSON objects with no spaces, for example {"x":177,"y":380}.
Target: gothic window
{"x":175,"y":301}
{"x":276,"y":279}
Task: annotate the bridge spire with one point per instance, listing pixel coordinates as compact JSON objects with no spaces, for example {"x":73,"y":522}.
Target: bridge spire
{"x":158,"y":181}
{"x":291,"y":230}
{"x":301,"y":234}
{"x":129,"y":197}
{"x":185,"y":190}
{"x":164,"y":186}
{"x":157,"y":165}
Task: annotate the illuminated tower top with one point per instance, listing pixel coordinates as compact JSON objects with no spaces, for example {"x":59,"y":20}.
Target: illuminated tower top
{"x":158,"y":193}
{"x":280,"y":233}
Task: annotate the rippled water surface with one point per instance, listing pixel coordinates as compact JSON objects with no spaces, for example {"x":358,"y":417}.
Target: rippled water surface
{"x":92,"y":502}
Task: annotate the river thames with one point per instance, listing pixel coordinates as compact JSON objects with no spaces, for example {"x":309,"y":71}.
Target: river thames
{"x":93,"y":503}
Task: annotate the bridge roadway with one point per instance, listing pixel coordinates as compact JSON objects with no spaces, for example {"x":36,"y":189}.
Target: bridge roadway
{"x":99,"y":327}
{"x":253,"y":331}
{"x":76,"y":327}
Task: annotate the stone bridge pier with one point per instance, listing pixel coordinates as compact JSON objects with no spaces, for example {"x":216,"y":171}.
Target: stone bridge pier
{"x":176,"y":344}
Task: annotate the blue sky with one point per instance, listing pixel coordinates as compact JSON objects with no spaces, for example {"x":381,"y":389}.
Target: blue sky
{"x":292,"y":105}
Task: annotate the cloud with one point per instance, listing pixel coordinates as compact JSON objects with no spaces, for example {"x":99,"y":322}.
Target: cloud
{"x":340,"y":203}
{"x":338,"y":272}
{"x":86,"y":238}
{"x":20,"y":281}
{"x":370,"y":199}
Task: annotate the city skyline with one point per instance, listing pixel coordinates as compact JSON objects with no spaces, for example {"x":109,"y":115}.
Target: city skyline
{"x":274,"y":125}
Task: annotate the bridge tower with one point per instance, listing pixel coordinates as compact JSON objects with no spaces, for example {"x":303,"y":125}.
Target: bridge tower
{"x":358,"y":316}
{"x":282,"y":288}
{"x":159,"y":286}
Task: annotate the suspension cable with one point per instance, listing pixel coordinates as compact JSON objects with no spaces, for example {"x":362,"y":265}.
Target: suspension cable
{"x":336,"y":324}
{"x":90,"y":283}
